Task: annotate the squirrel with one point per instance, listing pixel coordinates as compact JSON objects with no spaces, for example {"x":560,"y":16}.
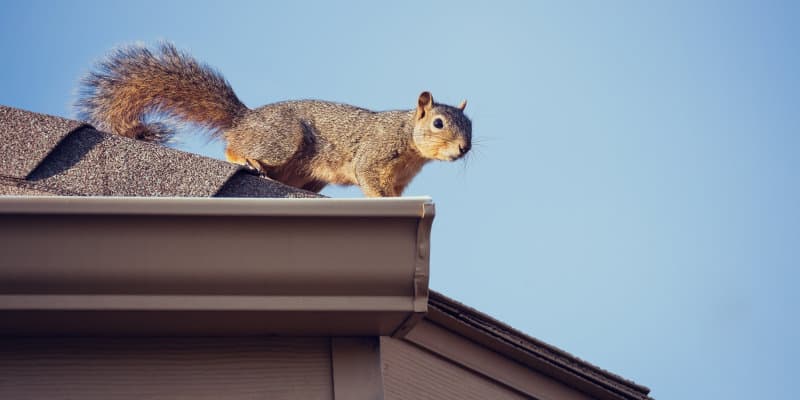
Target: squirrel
{"x":303,"y":143}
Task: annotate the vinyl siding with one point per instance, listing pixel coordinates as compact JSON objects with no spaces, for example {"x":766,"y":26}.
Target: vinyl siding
{"x":410,"y":372}
{"x":165,"y":368}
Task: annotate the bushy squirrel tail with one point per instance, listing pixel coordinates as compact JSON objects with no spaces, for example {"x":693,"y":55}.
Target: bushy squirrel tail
{"x":133,"y":83}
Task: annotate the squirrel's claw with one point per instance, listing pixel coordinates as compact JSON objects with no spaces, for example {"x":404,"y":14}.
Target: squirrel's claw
{"x":254,"y":167}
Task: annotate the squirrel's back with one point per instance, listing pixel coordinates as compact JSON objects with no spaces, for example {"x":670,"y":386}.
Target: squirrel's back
{"x":340,"y":120}
{"x":134,"y":82}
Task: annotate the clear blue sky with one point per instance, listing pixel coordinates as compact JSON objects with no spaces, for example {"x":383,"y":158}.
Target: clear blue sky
{"x":633,"y":193}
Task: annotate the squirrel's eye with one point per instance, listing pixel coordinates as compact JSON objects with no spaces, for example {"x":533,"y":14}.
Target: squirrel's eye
{"x":438,"y":123}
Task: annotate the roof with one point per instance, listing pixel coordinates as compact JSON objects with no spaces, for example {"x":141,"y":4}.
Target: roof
{"x":543,"y":357}
{"x":47,"y":155}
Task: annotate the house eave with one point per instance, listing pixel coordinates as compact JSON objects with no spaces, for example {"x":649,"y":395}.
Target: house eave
{"x":210,"y":266}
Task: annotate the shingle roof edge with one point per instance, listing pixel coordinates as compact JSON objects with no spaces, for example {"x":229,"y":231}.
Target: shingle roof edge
{"x":442,"y":306}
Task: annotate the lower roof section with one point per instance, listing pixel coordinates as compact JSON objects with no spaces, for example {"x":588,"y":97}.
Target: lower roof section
{"x":205,"y":266}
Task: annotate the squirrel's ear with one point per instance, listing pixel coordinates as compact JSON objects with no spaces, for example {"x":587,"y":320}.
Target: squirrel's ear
{"x":463,"y":105}
{"x":424,"y":104}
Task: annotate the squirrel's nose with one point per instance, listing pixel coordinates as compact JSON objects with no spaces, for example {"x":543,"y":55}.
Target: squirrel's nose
{"x":463,"y":149}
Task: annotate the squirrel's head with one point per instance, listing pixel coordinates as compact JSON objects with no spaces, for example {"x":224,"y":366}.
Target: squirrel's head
{"x":441,"y":132}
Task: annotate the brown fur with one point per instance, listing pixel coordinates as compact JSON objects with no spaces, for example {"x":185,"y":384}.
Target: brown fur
{"x":306,"y":144}
{"x":134,"y":81}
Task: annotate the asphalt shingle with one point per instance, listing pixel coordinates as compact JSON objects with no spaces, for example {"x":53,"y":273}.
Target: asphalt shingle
{"x":45,"y":154}
{"x":27,"y":138}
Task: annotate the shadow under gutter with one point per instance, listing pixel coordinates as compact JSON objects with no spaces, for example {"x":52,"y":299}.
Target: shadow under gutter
{"x":211,"y":266}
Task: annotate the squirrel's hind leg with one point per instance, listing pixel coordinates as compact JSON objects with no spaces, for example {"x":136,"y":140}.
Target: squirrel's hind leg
{"x":234,"y":158}
{"x":271,"y":136}
{"x":253,"y":165}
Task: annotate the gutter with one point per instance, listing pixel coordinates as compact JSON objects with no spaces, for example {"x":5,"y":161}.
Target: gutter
{"x":213,"y":266}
